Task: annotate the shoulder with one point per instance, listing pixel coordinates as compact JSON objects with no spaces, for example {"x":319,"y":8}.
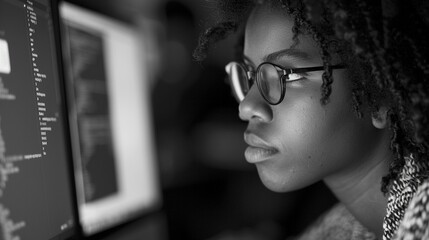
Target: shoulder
{"x":337,"y":223}
{"x":415,"y":224}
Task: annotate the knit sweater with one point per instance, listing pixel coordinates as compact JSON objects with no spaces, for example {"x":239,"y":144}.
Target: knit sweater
{"x":408,"y":206}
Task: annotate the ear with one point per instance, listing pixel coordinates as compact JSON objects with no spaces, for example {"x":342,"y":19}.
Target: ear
{"x":379,"y":118}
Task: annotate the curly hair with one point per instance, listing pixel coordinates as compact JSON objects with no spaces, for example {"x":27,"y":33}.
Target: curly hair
{"x":384,"y":43}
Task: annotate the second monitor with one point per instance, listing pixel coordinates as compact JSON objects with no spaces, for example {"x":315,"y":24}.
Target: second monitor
{"x":115,"y":165}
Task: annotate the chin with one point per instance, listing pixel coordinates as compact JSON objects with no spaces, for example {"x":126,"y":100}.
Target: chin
{"x":280,"y":181}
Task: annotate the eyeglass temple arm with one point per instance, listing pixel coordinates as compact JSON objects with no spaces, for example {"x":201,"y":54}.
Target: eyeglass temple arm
{"x":311,"y":69}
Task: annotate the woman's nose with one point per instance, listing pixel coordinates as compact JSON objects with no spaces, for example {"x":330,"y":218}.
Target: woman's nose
{"x":254,"y":107}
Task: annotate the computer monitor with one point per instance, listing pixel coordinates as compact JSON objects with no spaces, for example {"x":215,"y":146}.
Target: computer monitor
{"x":36,"y":185}
{"x":116,"y":172}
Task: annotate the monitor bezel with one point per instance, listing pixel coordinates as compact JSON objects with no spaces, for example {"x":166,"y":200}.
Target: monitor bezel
{"x":77,"y":232}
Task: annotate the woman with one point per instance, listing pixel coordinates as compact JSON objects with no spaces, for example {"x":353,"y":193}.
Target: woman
{"x":337,"y":91}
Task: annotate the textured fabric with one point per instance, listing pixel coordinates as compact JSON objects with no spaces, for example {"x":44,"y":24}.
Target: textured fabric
{"x":401,"y":192}
{"x":337,"y":224}
{"x":415,"y":225}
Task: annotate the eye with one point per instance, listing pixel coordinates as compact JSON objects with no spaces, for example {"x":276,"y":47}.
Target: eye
{"x":291,"y":77}
{"x":294,"y":77}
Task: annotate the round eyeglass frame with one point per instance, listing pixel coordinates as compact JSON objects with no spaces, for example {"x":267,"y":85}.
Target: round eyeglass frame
{"x":252,"y":76}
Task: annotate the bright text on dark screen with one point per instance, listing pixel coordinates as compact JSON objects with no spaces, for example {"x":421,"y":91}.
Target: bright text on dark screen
{"x":35,"y":194}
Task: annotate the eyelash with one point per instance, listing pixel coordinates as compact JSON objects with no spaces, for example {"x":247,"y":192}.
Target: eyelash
{"x":301,"y":77}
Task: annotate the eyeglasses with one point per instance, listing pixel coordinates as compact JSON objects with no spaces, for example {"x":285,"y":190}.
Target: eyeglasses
{"x":270,"y":79}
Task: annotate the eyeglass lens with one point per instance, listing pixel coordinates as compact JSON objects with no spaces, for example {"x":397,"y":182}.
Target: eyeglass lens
{"x":269,"y":83}
{"x":240,"y":83}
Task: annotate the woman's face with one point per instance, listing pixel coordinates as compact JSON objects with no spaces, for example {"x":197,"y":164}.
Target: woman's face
{"x":300,"y":141}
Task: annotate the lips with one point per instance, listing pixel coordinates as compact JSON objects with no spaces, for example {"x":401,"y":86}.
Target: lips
{"x":258,"y":150}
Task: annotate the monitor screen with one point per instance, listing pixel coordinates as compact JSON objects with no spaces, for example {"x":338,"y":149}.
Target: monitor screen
{"x":116,"y":173}
{"x":36,"y":188}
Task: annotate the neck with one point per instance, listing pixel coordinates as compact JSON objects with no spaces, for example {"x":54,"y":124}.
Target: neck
{"x":359,"y":190}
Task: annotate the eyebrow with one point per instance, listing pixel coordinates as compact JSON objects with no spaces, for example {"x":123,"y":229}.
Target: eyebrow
{"x":294,"y":54}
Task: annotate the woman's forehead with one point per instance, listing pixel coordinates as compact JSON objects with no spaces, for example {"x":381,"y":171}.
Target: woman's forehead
{"x":269,"y":30}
